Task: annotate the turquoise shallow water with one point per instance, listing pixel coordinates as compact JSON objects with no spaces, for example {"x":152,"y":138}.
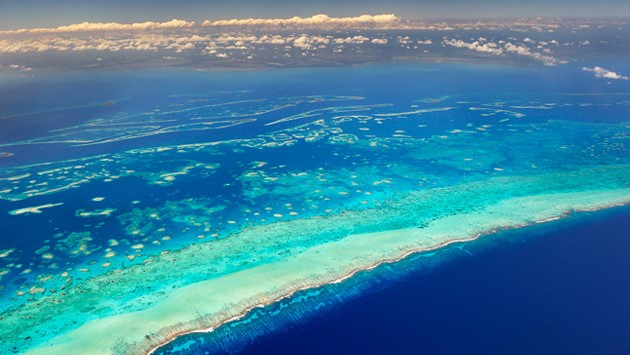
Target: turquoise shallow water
{"x":98,"y":188}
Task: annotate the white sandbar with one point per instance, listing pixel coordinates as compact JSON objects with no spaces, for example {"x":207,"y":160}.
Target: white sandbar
{"x":35,"y":209}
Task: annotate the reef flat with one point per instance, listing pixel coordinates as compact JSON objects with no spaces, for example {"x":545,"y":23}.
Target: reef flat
{"x":173,"y":212}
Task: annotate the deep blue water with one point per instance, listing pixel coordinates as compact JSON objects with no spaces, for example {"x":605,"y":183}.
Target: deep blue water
{"x":561,"y":288}
{"x":40,"y":108}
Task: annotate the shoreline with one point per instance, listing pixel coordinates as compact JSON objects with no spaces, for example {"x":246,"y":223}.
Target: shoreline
{"x":214,"y":327}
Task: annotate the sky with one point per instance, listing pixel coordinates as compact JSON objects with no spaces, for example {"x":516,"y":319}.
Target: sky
{"x":16,"y":14}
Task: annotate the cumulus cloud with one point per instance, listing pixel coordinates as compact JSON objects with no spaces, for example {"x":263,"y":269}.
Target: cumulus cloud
{"x":352,"y":40}
{"x":524,"y":51}
{"x":404,"y":40}
{"x":316,"y":21}
{"x":490,"y":48}
{"x":17,"y":67}
{"x":482,"y":46}
{"x":605,"y":73}
{"x":106,"y":26}
{"x":520,"y":50}
{"x":307,"y":42}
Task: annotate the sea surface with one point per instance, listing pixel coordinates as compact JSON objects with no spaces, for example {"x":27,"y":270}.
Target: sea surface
{"x":119,"y":188}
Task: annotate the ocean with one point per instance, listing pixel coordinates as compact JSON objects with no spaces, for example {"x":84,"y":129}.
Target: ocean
{"x":120,"y":190}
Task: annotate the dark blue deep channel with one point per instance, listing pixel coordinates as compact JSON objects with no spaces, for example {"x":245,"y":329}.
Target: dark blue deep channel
{"x":559,"y":288}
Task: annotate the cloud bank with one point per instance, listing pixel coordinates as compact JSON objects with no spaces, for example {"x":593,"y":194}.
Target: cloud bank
{"x":320,"y":21}
{"x":605,"y":73}
{"x":106,"y":26}
{"x":296,"y":41}
{"x":316,"y":21}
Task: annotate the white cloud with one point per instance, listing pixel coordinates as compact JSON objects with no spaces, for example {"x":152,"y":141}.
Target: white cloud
{"x":277,"y":40}
{"x":520,"y":50}
{"x":490,"y":48}
{"x":306,"y":42}
{"x":404,"y":40}
{"x":352,"y":40}
{"x":316,"y":21}
{"x":493,"y":48}
{"x":605,"y":73}
{"x":379,"y":41}
{"x":15,"y":67}
{"x":106,"y":26}
{"x":303,"y":42}
{"x":524,"y":51}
